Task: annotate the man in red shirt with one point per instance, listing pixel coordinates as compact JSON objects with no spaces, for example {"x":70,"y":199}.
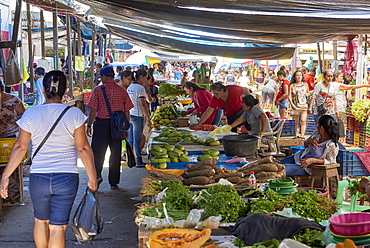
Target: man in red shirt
{"x":119,"y":100}
{"x":310,"y":78}
{"x":227,"y":98}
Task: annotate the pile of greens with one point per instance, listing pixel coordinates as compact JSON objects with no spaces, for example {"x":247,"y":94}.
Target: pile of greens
{"x":307,"y":204}
{"x":222,"y":200}
{"x":178,"y":196}
{"x":310,"y":237}
{"x":169,"y":90}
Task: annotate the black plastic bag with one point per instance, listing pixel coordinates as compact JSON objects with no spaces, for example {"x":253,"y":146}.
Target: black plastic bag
{"x":87,"y":221}
{"x":130,"y":155}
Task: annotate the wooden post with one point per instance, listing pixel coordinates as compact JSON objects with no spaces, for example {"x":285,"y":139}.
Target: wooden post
{"x":30,"y":45}
{"x":79,"y":52}
{"x":319,"y":57}
{"x":92,"y":57}
{"x":69,"y":47}
{"x":42,"y":22}
{"x":335,"y":50}
{"x":323,"y":56}
{"x":55,"y":39}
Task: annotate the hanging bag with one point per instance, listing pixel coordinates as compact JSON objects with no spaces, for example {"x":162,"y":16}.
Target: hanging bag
{"x":118,"y":120}
{"x":87,"y":221}
{"x":13,"y":75}
{"x":321,"y":109}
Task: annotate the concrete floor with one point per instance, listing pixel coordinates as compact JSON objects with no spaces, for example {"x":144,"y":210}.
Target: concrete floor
{"x":117,"y":205}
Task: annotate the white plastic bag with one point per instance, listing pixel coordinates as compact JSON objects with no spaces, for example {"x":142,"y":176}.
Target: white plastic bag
{"x":290,"y":243}
{"x":193,"y":218}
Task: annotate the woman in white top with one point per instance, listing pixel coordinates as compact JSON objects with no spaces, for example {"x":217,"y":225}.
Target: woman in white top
{"x":270,"y":90}
{"x":54,"y":174}
{"x":298,"y":93}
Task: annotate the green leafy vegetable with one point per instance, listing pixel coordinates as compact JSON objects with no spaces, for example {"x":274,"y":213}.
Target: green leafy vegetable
{"x":167,"y":89}
{"x":310,"y":237}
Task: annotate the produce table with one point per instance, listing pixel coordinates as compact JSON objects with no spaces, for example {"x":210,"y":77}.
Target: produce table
{"x":188,"y":146}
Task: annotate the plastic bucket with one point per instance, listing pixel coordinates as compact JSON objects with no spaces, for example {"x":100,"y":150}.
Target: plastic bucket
{"x":242,"y":145}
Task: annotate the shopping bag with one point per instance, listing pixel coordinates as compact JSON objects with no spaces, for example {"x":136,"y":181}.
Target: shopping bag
{"x":87,"y":221}
{"x":119,"y":125}
{"x":130,"y":155}
{"x":12,"y":73}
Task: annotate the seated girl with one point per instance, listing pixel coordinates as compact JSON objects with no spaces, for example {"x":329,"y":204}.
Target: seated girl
{"x":320,"y":148}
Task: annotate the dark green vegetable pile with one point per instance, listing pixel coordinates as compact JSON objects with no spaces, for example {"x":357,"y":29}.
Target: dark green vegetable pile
{"x":222,"y":200}
{"x":307,"y":204}
{"x":166,"y":89}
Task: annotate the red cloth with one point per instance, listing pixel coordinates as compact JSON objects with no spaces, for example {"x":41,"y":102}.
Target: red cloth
{"x":202,"y":99}
{"x":281,"y":90}
{"x":310,"y":80}
{"x":234,"y":100}
{"x":118,"y":98}
{"x":364,"y":156}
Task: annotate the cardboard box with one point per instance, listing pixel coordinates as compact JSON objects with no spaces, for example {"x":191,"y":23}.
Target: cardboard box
{"x":183,"y":121}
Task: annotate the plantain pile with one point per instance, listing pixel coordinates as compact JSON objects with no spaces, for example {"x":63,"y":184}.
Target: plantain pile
{"x":165,"y":153}
{"x":173,"y":135}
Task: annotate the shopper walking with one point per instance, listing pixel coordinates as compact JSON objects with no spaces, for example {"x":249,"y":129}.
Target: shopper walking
{"x":54,"y":178}
{"x":137,"y":95}
{"x":298,"y":94}
{"x":283,"y":94}
{"x":269,"y":90}
{"x":39,"y":76}
{"x":101,"y":135}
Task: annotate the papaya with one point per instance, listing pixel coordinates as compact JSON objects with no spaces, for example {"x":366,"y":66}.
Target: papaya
{"x":162,"y":165}
{"x":157,"y":148}
{"x":172,"y":154}
{"x":164,"y":134}
{"x":214,"y":143}
{"x":162,"y":139}
{"x":161,"y":155}
{"x":204,"y":157}
{"x":178,"y":151}
{"x":168,"y":160}
{"x":175,"y":160}
{"x":209,"y":141}
{"x":200,"y":141}
{"x":159,"y":160}
{"x":184,"y":158}
{"x":205,"y":152}
{"x":154,"y":153}
{"x":216,"y":157}
{"x":164,"y":150}
{"x":180,"y":147}
{"x":173,"y":134}
{"x":179,"y":238}
{"x":213,"y":152}
{"x":171,"y":140}
{"x":185,"y":152}
{"x":167,"y":147}
{"x":186,"y":140}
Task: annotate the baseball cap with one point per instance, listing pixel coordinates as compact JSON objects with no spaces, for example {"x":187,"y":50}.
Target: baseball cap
{"x":107,"y":71}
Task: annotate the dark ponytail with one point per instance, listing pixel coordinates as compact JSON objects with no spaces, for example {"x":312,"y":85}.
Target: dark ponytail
{"x":55,"y":84}
{"x":136,"y":74}
{"x":249,"y":100}
{"x":330,"y":126}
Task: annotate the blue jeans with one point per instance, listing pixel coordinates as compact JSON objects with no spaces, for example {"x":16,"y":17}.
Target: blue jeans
{"x":53,"y":195}
{"x":135,"y":134}
{"x":291,"y":168}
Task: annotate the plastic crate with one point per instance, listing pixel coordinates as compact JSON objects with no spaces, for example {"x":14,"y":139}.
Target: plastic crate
{"x":288,"y":128}
{"x":6,"y":146}
{"x":357,"y":126}
{"x":350,"y":164}
{"x":350,"y":134}
{"x":350,"y":123}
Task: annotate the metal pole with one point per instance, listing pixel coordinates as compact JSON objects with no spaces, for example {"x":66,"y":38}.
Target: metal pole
{"x":30,"y":45}
{"x":92,"y":56}
{"x":42,"y":22}
{"x":69,"y":47}
{"x":319,"y":57}
{"x":55,"y":39}
{"x":360,"y":65}
{"x":335,"y":50}
{"x":79,"y":52}
{"x":323,"y":55}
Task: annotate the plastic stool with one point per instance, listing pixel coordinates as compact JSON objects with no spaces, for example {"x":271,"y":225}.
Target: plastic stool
{"x":324,"y":172}
{"x":208,"y":88}
{"x":353,"y":207}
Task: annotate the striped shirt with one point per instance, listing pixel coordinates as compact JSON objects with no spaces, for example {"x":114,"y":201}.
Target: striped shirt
{"x":118,"y":99}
